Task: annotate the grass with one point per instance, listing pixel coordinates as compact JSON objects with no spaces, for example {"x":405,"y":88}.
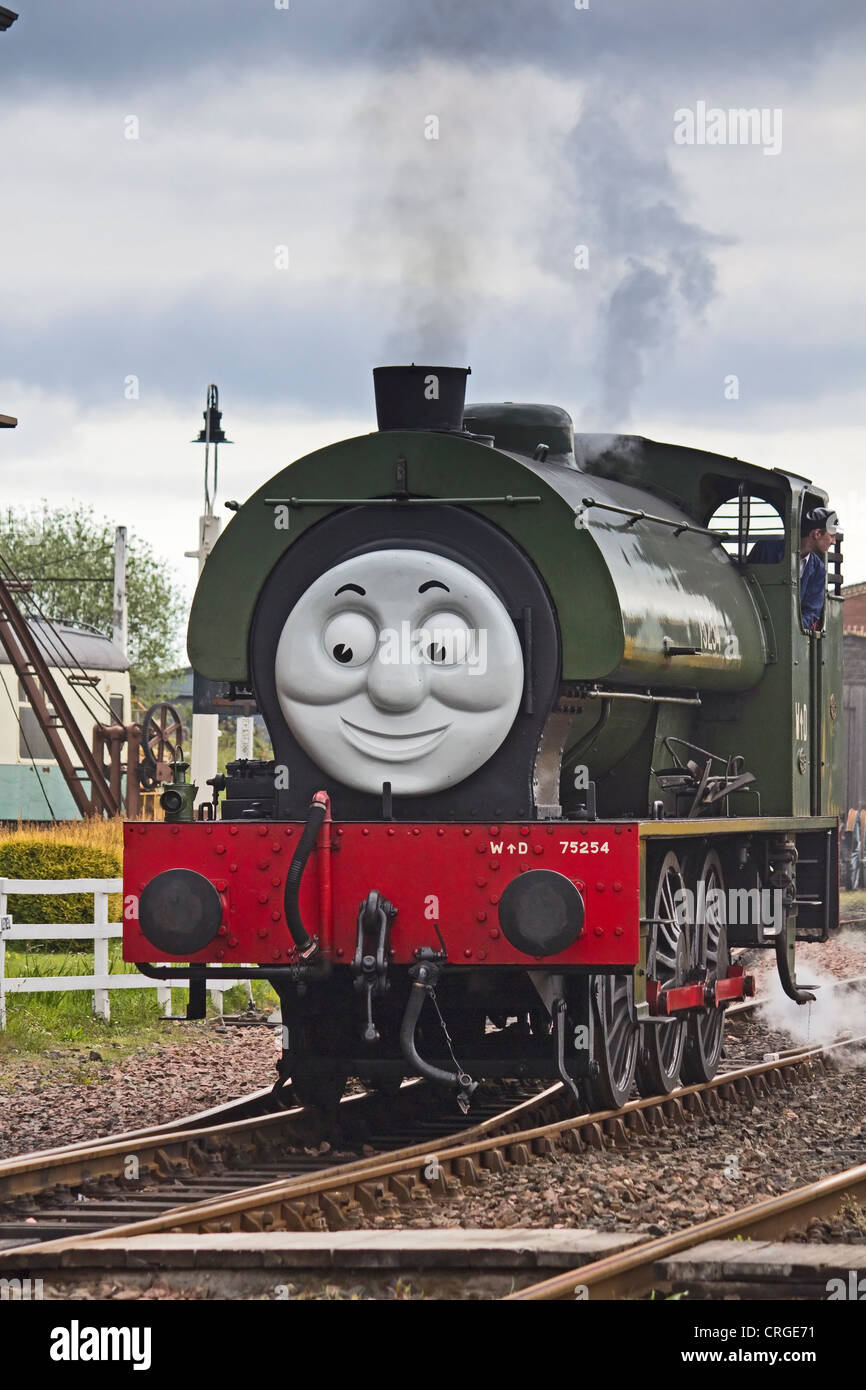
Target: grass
{"x":37,"y":1022}
{"x":106,"y":835}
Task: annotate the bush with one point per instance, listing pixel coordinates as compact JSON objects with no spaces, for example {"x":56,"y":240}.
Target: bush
{"x":42,"y":857}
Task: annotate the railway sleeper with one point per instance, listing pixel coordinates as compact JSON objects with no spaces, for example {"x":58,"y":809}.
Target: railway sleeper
{"x":313,"y":1216}
{"x":291,"y":1216}
{"x":572,"y":1141}
{"x":543,"y":1146}
{"x":467,"y":1172}
{"x":166,"y":1167}
{"x":256,"y":1220}
{"x":615,"y":1131}
{"x":340,"y":1210}
{"x":493,"y":1161}
{"x":197,"y":1161}
{"x":370,"y":1197}
{"x":442,"y":1181}
{"x":407,"y":1189}
{"x":102,"y":1186}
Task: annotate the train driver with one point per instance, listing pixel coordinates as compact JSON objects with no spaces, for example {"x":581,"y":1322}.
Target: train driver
{"x":818,"y":535}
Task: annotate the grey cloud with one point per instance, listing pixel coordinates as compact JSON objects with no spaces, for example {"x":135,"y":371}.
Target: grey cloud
{"x":108,"y":43}
{"x":318,"y":357}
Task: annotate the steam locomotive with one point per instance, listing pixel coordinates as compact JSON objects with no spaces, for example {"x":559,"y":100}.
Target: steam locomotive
{"x":548,"y":747}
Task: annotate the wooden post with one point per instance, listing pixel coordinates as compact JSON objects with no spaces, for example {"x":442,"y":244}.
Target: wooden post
{"x":205,"y":727}
{"x":3,"y":905}
{"x":101,"y":1004}
{"x":133,"y":790}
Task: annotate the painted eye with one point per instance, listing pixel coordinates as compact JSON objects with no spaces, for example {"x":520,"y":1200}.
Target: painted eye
{"x":445,"y":640}
{"x":350,"y":639}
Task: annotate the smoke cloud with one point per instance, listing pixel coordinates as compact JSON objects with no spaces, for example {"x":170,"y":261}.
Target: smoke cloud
{"x":835,"y":1015}
{"x":490,"y":175}
{"x":656,"y":267}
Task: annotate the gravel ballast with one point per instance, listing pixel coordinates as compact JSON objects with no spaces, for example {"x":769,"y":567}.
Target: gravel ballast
{"x":197,"y":1066}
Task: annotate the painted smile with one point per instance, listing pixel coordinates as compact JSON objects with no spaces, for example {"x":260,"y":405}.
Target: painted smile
{"x":393,"y":748}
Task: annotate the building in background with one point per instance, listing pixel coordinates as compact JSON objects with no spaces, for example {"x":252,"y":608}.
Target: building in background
{"x":32,"y":786}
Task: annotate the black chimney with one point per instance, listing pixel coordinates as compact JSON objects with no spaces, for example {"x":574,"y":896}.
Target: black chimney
{"x":420,"y":398}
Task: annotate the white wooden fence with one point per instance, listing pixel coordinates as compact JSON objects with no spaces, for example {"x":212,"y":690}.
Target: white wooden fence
{"x":100,"y":931}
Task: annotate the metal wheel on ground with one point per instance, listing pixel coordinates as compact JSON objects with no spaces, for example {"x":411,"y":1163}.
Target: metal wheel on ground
{"x":668,"y":962}
{"x":705,"y":1029}
{"x":615,"y":1042}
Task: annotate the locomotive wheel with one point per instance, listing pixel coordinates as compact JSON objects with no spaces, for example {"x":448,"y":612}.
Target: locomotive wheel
{"x":668,"y":961}
{"x":616,"y":1042}
{"x":705,"y":1030}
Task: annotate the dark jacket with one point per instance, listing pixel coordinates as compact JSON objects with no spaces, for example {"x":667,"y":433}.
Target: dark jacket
{"x":813,"y":580}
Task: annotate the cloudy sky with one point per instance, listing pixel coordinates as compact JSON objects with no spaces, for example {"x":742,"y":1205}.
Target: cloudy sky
{"x":202,"y":190}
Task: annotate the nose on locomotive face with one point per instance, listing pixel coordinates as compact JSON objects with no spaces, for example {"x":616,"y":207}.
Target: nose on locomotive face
{"x":179,"y":912}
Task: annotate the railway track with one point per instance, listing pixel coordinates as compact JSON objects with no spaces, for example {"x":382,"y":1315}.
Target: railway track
{"x":260,"y":1114}
{"x":84,"y":1188}
{"x":651,"y":1266}
{"x":245,"y":1167}
{"x":349,"y":1193}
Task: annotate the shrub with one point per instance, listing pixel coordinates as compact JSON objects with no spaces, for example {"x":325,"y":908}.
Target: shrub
{"x":42,"y":856}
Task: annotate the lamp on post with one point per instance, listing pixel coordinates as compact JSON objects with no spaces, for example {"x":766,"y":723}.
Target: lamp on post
{"x":205,"y":727}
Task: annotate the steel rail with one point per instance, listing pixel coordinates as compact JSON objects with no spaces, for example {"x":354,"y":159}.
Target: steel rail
{"x":632,"y":1273}
{"x":286,"y":1203}
{"x":34,"y":1172}
{"x":157,"y":1148}
{"x":201,"y":1118}
{"x":83,"y":1160}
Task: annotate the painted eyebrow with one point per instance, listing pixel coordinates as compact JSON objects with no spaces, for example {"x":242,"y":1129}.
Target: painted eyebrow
{"x":433,"y":584}
{"x":356,"y":589}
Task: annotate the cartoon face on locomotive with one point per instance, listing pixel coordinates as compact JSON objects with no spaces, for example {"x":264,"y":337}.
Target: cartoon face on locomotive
{"x":504,"y":814}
